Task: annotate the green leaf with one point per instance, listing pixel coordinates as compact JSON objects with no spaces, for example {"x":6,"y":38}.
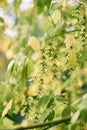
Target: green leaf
{"x":24,"y":75}
{"x":27,"y":69}
{"x":66,"y":112}
{"x":83,"y":115}
{"x":64,"y":127}
{"x":45,"y":115}
{"x":74,"y":126}
{"x":45,"y":100}
{"x":84,"y":54}
{"x":84,"y":1}
{"x":61,"y":98}
{"x":24,"y":42}
{"x":1,"y":20}
{"x":30,"y":66}
{"x":50,"y":102}
{"x":17,"y":3}
{"x":51,"y":115}
{"x":41,"y":4}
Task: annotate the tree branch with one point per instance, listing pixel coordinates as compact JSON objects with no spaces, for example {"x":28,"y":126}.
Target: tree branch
{"x":65,"y":32}
{"x":49,"y":124}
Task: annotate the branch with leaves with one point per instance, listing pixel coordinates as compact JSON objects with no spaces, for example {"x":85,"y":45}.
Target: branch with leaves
{"x":47,"y":124}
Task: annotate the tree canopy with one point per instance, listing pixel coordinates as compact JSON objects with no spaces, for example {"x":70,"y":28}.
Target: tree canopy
{"x":43,"y":68}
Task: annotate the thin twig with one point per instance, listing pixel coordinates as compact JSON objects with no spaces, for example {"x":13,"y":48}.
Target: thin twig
{"x":51,"y":124}
{"x":65,"y":32}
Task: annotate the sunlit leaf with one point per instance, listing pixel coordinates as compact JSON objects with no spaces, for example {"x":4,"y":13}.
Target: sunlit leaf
{"x":32,"y":90}
{"x":47,"y":79}
{"x":56,"y":16}
{"x":83,"y":104}
{"x":86,"y":10}
{"x":35,"y":56}
{"x":58,"y":4}
{"x":7,"y":108}
{"x":34,"y":43}
{"x":69,"y":41}
{"x":66,"y":6}
{"x":10,"y":64}
{"x":19,"y":60}
{"x":75,"y":117}
{"x":9,"y":54}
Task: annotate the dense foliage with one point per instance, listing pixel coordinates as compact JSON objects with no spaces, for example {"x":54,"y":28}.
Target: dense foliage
{"x":46,"y":78}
